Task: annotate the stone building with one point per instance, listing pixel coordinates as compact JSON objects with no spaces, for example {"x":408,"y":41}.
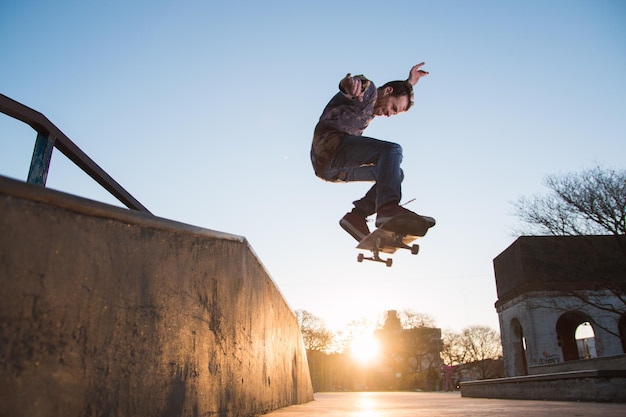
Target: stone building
{"x":550,"y":289}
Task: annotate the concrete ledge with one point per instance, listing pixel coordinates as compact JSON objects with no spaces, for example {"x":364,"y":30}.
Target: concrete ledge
{"x":21,"y":190}
{"x":107,"y":311}
{"x":601,"y":364}
{"x":591,"y":385}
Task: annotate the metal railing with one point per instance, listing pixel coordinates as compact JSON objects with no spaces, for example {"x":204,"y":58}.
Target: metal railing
{"x":50,"y":137}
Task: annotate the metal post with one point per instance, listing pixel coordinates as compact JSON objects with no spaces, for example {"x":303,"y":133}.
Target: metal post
{"x":40,"y":163}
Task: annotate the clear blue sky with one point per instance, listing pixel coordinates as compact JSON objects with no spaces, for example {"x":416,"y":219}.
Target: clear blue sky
{"x":204,"y":111}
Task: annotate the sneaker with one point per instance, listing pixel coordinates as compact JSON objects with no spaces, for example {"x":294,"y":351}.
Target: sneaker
{"x":355,"y":225}
{"x":386,"y":213}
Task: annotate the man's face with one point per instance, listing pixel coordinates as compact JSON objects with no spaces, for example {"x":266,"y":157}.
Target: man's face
{"x":388,"y":105}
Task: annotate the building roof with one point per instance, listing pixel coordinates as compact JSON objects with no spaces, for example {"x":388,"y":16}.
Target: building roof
{"x":560,"y":262}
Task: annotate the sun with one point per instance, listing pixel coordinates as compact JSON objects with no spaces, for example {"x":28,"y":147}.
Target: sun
{"x":365,"y":348}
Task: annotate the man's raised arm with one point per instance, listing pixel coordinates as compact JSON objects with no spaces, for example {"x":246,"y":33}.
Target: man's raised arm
{"x":416,"y":73}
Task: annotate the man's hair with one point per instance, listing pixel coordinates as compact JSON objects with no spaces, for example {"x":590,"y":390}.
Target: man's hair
{"x":401,"y":88}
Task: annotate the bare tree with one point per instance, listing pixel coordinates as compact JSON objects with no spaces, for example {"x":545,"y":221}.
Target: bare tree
{"x":354,"y":329}
{"x":585,"y":203}
{"x":481,"y":345}
{"x":413,"y":320}
{"x":452,"y":351}
{"x":314,"y":333}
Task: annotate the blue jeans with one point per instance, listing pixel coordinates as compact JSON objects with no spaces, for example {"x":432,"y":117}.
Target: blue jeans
{"x":360,"y":158}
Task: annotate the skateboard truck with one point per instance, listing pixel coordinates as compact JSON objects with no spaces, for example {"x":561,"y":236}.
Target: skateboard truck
{"x":397,"y":233}
{"x":381,"y":245}
{"x":375,"y":257}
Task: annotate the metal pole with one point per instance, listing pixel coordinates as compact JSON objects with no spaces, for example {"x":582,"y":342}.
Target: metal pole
{"x":40,"y":163}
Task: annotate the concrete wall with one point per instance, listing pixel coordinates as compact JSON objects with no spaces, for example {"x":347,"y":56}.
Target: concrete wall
{"x":107,"y":312}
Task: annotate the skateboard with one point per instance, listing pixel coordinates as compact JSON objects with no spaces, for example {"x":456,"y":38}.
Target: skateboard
{"x":397,"y":233}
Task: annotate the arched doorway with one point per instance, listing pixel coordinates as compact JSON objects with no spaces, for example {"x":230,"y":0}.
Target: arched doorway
{"x":519,"y":348}
{"x":566,"y":327}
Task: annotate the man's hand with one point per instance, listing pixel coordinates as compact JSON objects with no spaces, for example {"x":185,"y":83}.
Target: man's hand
{"x":416,"y":73}
{"x":352,"y":86}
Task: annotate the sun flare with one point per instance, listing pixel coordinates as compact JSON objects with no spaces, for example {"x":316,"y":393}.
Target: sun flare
{"x":365,"y":348}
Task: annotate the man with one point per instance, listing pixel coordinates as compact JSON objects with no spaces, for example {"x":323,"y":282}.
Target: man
{"x":340,"y":154}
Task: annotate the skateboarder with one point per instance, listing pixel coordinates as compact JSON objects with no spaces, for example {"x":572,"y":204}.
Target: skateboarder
{"x":340,"y":153}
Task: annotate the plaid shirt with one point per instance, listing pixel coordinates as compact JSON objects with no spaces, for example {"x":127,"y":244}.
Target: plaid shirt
{"x":342,"y":116}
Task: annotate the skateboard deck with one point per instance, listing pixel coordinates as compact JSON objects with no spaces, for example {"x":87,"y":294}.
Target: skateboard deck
{"x":395,"y":234}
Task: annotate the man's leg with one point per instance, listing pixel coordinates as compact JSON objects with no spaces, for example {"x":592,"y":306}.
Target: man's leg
{"x":355,"y":222}
{"x":361,"y":158}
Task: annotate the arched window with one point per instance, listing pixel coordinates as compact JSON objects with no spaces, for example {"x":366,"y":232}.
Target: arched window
{"x":566,"y":328}
{"x":519,"y":348}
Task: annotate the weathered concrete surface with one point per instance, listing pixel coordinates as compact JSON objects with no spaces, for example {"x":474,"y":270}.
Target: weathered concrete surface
{"x":595,"y":364}
{"x":593,"y":385}
{"x":439,"y":404}
{"x":107,"y":312}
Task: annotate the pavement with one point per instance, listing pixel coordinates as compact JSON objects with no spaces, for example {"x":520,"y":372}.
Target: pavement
{"x":436,"y":404}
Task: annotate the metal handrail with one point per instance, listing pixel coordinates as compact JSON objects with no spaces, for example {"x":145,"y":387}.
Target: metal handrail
{"x":49,"y":137}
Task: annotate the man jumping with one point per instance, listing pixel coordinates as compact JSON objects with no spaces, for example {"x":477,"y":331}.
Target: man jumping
{"x":340,"y":154}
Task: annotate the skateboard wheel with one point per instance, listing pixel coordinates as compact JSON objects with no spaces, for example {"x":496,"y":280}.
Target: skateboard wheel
{"x":389,"y":262}
{"x":359,"y":258}
{"x":415,"y":249}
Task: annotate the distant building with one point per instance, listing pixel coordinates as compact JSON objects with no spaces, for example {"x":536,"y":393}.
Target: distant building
{"x":411,"y":357}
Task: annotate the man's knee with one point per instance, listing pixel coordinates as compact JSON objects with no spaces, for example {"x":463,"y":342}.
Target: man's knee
{"x":395,"y":148}
{"x":394,"y":152}
{"x":333,"y":175}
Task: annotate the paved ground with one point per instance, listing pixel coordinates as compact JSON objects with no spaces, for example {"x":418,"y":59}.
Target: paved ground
{"x":436,"y":404}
